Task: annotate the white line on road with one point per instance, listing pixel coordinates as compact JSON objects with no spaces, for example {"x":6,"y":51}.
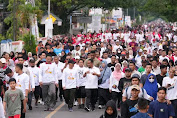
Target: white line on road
{"x":54,"y":112}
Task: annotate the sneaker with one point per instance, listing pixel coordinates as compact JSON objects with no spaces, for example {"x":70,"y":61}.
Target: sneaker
{"x":51,"y":109}
{"x":80,"y":106}
{"x":87,"y":109}
{"x":46,"y":109}
{"x":61,"y":99}
{"x":76,"y":103}
{"x":100,"y":107}
{"x":39,"y":101}
{"x":70,"y":110}
{"x":30,"y":108}
{"x":42,"y":102}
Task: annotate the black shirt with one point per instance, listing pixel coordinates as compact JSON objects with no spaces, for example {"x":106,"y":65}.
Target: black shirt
{"x":111,"y":66}
{"x":160,"y":79}
{"x":1,"y":84}
{"x":124,"y":83}
{"x":129,"y":108}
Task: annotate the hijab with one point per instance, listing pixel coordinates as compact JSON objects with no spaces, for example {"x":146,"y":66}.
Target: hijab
{"x":25,"y":56}
{"x":151,"y":88}
{"x":117,"y":73}
{"x":111,"y":104}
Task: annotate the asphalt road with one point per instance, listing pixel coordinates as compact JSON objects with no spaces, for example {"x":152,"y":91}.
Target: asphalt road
{"x":61,"y":111}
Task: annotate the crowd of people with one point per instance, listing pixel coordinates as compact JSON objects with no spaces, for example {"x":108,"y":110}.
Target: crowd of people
{"x":131,"y":70}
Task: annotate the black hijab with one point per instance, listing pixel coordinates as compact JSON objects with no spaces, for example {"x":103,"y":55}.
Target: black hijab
{"x":25,"y":56}
{"x":111,"y":104}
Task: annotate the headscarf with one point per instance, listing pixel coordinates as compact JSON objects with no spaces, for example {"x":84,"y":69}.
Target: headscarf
{"x":105,"y":73}
{"x":151,"y":88}
{"x":117,"y":73}
{"x":111,"y":104}
{"x":25,"y":56}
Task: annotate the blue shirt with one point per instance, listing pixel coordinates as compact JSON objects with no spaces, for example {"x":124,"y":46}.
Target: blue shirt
{"x":161,"y":110}
{"x":57,"y":51}
{"x":141,"y":115}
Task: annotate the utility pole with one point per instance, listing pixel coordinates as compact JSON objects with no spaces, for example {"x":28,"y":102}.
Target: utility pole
{"x":49,"y":8}
{"x":14,"y":20}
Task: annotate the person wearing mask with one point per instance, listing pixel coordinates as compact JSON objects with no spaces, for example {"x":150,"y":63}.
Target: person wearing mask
{"x":69,"y":81}
{"x":133,"y":68}
{"x":81,"y":82}
{"x":103,"y":81}
{"x":171,"y":85}
{"x":148,"y":70}
{"x":112,"y":64}
{"x":35,"y":72}
{"x":163,"y":73}
{"x":48,"y":80}
{"x":22,"y":80}
{"x":151,"y":86}
{"x":125,"y":81}
{"x":96,"y":62}
{"x":59,"y":65}
{"x":91,"y":74}
{"x":111,"y":111}
{"x":159,"y":108}
{"x":115,"y":77}
{"x":128,"y":108}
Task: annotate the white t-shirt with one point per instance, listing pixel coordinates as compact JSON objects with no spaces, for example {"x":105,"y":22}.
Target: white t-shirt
{"x":69,"y":78}
{"x":22,"y":82}
{"x":91,"y":80}
{"x":35,"y":73}
{"x":108,"y":60}
{"x":156,"y":70}
{"x":172,"y":90}
{"x":81,"y":81}
{"x":162,"y":58}
{"x":59,"y":67}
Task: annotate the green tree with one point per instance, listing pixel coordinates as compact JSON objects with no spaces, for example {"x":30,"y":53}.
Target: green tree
{"x":20,"y":15}
{"x":30,"y":43}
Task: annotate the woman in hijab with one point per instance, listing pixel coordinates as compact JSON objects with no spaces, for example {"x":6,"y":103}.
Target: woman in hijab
{"x":111,"y":111}
{"x":25,"y":56}
{"x":63,"y":56}
{"x":103,"y":81}
{"x":116,"y":75}
{"x":151,"y":86}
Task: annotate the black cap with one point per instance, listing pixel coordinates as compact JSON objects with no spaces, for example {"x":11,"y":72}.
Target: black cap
{"x":8,"y":70}
{"x":136,"y":76}
{"x":71,"y":61}
{"x":128,"y":70}
{"x":149,"y":56}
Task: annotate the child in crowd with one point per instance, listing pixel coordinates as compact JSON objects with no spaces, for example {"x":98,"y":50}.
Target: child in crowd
{"x":143,"y":108}
{"x":12,"y":100}
{"x":110,"y":111}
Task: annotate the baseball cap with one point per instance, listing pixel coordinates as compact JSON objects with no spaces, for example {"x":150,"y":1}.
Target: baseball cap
{"x":25,"y":63}
{"x":149,"y":56}
{"x":128,"y":70}
{"x":145,"y":49}
{"x":135,"y":87}
{"x":3,"y":60}
{"x":140,"y":50}
{"x":136,"y":76}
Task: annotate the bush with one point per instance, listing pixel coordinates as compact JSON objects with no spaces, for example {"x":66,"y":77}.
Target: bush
{"x":30,"y":43}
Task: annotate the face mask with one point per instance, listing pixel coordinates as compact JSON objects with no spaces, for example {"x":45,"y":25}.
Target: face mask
{"x":151,"y":80}
{"x":119,"y":51}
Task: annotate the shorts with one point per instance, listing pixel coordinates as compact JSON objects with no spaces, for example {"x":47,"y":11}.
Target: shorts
{"x":81,"y":92}
{"x":16,"y":116}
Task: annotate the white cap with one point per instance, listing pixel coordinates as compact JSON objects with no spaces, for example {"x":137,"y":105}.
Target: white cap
{"x":3,"y":60}
{"x":77,"y":57}
{"x":25,"y":63}
{"x":145,"y":49}
{"x":140,"y":50}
